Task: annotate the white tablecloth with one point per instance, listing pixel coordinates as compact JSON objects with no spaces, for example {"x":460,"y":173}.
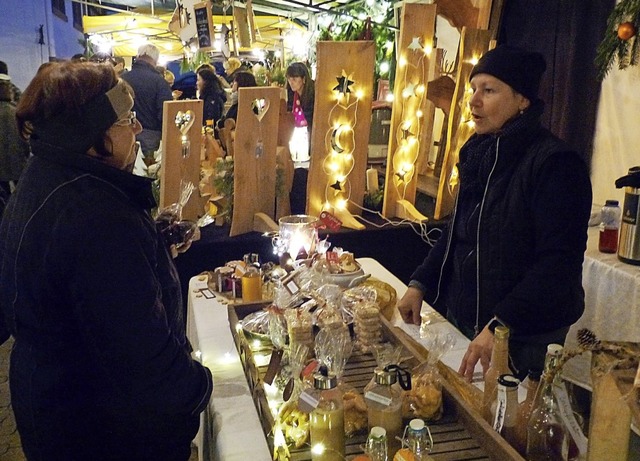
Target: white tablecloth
{"x":230,"y":429}
{"x":612,"y":305}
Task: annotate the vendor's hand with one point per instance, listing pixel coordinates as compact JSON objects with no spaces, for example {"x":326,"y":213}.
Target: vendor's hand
{"x":410,"y":305}
{"x":479,"y":350}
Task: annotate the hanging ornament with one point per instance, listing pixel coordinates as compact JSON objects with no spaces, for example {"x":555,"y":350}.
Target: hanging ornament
{"x":618,"y":43}
{"x":626,"y":30}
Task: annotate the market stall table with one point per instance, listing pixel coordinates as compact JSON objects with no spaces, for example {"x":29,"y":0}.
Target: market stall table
{"x":230,"y":428}
{"x":612,"y":305}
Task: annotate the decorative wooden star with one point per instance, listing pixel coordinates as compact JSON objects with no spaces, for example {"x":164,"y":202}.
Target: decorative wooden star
{"x":401,"y":175}
{"x":337,"y":187}
{"x":415,"y":44}
{"x":343,"y":84}
{"x":406,"y":133}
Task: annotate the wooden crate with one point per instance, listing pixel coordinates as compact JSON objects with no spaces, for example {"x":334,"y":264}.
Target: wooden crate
{"x":461,"y":434}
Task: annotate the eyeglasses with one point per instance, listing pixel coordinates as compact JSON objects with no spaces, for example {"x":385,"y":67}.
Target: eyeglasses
{"x":129,"y":120}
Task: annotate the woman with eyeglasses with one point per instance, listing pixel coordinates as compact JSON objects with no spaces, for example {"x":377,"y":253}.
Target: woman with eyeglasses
{"x":101,"y":367}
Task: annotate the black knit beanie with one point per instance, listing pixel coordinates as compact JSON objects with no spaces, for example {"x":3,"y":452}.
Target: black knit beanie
{"x":518,"y":68}
{"x":79,"y":131}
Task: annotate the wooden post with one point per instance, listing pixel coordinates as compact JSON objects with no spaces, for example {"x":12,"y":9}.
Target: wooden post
{"x":417,"y":29}
{"x":340,"y":137}
{"x":176,"y":167}
{"x":473,"y":43}
{"x":254,"y":167}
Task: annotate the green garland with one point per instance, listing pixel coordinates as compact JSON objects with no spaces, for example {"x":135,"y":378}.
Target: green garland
{"x":626,"y":51}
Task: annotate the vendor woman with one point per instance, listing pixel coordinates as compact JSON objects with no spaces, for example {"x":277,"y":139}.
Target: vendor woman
{"x":301,"y":96}
{"x":513,"y":250}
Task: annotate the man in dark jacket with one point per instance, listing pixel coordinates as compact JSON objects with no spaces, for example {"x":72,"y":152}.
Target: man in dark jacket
{"x":512,"y":253}
{"x":151,"y":90}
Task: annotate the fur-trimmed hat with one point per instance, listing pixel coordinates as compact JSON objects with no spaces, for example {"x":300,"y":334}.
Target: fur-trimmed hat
{"x":518,"y":68}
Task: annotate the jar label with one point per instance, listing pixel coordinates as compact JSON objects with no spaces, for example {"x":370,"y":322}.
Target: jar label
{"x":630,"y":209}
{"x":381,"y":399}
{"x":568,"y":417}
{"x":307,"y":402}
{"x":501,"y":405}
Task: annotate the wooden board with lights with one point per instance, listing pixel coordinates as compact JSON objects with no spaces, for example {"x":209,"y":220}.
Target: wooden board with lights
{"x":181,"y":139}
{"x":473,"y":43}
{"x":254,"y":167}
{"x":415,"y":47}
{"x":341,"y":123}
{"x":461,"y":433}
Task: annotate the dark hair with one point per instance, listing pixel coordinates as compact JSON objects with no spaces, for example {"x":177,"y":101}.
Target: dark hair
{"x":60,"y":89}
{"x":3,"y":68}
{"x":299,"y":69}
{"x":101,"y":56}
{"x":211,"y":83}
{"x":244,"y":79}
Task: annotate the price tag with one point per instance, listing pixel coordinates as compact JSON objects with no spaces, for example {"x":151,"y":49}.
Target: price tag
{"x":330,"y":221}
{"x":274,"y":366}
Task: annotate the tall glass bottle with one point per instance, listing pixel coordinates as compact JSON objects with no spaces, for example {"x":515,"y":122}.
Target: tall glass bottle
{"x":384,"y":406}
{"x":326,"y":423}
{"x":547,"y":437}
{"x":499,"y":366}
{"x":530,"y":383}
{"x":505,"y":408}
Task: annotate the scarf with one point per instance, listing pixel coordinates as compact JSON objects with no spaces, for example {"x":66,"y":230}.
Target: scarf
{"x":479,"y":152}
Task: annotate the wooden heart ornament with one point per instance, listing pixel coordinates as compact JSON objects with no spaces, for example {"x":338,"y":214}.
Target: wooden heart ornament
{"x":260,"y":107}
{"x":184,"y":121}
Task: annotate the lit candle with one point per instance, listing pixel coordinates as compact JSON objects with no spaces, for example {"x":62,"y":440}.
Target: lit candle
{"x":372,"y":179}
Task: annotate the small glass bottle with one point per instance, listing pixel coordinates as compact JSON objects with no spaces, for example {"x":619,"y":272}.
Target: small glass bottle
{"x":609,"y":225}
{"x":326,"y":422}
{"x":499,"y":366}
{"x":384,"y":406}
{"x":530,"y":383}
{"x":419,"y":440}
{"x":376,"y":448}
{"x":505,"y":408}
{"x":547,"y":437}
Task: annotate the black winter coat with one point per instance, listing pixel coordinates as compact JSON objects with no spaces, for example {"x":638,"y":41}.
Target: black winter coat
{"x":530,"y":242}
{"x":101,"y":368}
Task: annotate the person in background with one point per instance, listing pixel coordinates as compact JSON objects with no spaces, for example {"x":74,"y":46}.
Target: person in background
{"x":513,"y":250}
{"x":231,"y":66}
{"x":4,"y":77}
{"x":241,"y":80}
{"x":14,"y":151}
{"x":210,"y":91}
{"x":101,"y":366}
{"x":119,"y":65}
{"x":152,"y":90}
{"x":300,"y":100}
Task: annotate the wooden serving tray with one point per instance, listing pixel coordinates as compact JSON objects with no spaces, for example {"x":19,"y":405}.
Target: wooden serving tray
{"x":461,"y":434}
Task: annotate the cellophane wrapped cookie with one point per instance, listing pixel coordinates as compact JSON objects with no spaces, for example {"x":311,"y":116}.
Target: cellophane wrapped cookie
{"x":424,"y":400}
{"x":367,"y":326}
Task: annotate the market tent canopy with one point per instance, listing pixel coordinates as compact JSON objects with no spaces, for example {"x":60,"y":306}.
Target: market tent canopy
{"x":125,"y":32}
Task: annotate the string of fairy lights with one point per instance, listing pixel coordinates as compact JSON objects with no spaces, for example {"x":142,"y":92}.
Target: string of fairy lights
{"x":412,"y":65}
{"x":340,"y":142}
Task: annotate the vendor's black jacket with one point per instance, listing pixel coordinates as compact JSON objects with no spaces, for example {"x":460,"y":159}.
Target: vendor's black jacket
{"x":101,"y":367}
{"x":523,"y":236}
